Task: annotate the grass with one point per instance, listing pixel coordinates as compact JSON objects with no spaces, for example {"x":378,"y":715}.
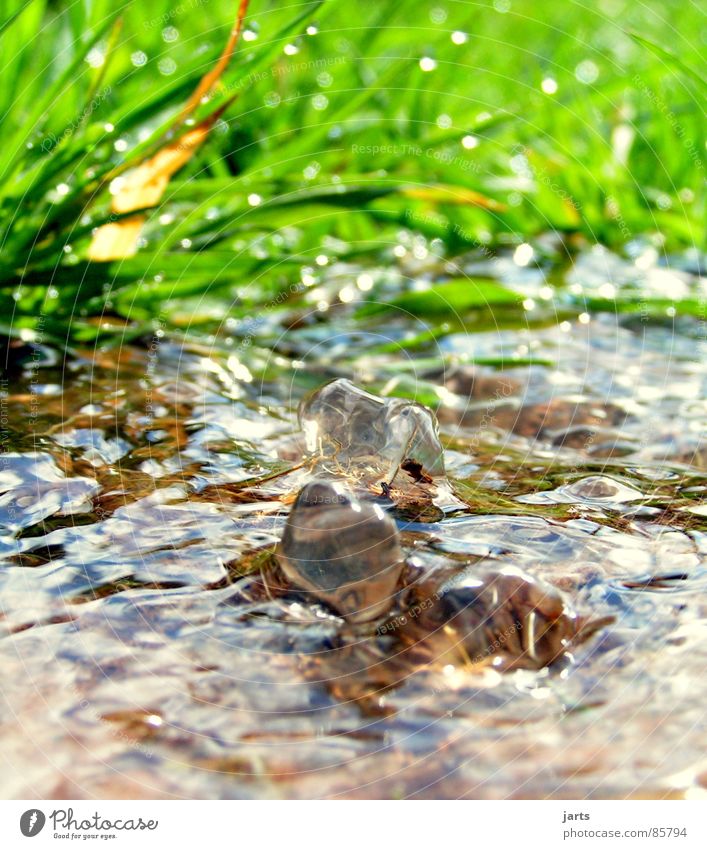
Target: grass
{"x":474,"y":124}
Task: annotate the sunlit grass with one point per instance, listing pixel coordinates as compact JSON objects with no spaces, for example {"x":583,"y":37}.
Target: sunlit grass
{"x":474,"y":124}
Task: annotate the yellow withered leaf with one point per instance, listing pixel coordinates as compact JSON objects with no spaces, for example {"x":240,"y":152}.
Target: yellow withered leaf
{"x":116,"y":241}
{"x":452,"y":194}
{"x":144,"y":186}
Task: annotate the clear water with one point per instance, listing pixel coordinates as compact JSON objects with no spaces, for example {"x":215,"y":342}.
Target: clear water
{"x":142,"y":497}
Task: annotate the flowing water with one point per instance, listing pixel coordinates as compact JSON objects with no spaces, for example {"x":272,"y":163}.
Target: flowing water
{"x":145,"y":487}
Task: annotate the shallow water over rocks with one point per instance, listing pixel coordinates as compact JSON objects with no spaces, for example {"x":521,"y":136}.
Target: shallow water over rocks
{"x":143,"y":494}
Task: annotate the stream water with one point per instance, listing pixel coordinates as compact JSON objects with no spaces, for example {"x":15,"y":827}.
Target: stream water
{"x":144,"y":488}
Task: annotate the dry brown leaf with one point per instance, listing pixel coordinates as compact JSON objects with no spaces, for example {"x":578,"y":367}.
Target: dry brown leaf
{"x":144,"y":186}
{"x":210,"y":79}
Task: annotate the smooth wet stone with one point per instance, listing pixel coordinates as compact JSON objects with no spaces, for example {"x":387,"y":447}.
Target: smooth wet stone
{"x":506,"y":613}
{"x":475,"y":382}
{"x":357,"y":432}
{"x":544,"y":419}
{"x":343,"y":551}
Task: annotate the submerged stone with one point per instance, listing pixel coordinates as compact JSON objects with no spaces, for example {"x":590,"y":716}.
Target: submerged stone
{"x":343,"y":551}
{"x":506,"y":613}
{"x":358,"y":433}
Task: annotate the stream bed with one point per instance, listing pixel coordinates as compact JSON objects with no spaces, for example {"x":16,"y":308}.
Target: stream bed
{"x":144,"y":487}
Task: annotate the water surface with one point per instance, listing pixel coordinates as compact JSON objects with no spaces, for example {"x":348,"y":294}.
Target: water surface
{"x":140,"y":657}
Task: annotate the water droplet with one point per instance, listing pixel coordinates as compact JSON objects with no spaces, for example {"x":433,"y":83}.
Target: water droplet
{"x":167,"y":66}
{"x":601,"y":488}
{"x":96,"y":57}
{"x":587,"y":72}
{"x":523,"y":254}
{"x":311,"y":171}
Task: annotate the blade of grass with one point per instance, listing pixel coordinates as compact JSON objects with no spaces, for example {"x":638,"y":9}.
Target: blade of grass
{"x":14,"y":148}
{"x":671,"y":58}
{"x":13,"y":16}
{"x":455,"y":297}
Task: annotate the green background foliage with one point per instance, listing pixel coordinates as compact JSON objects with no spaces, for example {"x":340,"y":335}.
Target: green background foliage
{"x":581,"y":119}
